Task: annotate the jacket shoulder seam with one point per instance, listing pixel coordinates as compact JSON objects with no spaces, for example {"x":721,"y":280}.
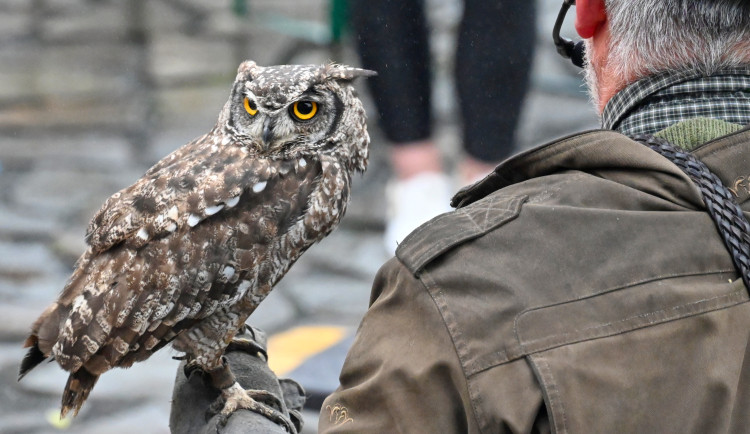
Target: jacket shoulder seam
{"x":449,"y":230}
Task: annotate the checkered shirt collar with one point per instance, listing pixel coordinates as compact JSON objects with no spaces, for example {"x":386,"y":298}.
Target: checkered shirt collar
{"x":654,"y":103}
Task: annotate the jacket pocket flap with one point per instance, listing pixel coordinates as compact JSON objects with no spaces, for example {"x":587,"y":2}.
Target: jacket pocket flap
{"x":451,"y":229}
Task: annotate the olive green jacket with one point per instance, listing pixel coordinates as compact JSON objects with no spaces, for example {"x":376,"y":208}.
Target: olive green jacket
{"x":584,"y":289}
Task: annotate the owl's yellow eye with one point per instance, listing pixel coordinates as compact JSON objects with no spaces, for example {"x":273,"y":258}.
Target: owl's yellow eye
{"x":250,"y":107}
{"x":304,"y":110}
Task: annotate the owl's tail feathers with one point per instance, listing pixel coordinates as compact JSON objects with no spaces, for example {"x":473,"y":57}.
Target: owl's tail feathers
{"x":44,"y":333}
{"x":77,"y":390}
{"x":32,"y":358}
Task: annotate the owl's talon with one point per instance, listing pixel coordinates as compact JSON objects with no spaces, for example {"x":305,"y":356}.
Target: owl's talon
{"x":266,"y":398}
{"x":259,"y":401}
{"x":222,"y":419}
{"x":190,"y":369}
{"x":215,"y":410}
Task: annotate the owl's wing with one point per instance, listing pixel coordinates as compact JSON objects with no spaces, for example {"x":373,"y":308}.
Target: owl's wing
{"x":194,"y":182}
{"x":126,"y":302}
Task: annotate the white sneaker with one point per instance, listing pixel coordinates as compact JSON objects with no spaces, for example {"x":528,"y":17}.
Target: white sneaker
{"x":412,"y":202}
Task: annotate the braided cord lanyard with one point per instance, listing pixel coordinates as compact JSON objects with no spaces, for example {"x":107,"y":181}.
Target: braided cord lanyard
{"x":720,"y":203}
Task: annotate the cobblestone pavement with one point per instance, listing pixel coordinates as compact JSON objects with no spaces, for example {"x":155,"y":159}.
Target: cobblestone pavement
{"x":92,"y":92}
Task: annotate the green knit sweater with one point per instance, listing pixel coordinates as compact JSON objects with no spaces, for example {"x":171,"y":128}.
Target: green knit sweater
{"x":694,"y":132}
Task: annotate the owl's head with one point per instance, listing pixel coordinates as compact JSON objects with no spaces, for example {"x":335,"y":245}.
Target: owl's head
{"x":291,"y":110}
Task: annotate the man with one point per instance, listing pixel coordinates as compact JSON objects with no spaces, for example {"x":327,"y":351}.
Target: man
{"x":583,"y":286}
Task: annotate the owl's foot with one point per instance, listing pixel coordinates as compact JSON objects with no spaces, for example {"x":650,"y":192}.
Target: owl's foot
{"x":192,"y":368}
{"x":262,"y":402}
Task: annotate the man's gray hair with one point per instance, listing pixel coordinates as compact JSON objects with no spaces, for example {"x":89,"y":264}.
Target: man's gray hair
{"x":651,"y":36}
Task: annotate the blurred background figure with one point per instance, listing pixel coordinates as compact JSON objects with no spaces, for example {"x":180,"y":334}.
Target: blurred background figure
{"x":493,"y":59}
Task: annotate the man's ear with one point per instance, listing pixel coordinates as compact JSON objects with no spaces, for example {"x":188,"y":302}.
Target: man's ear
{"x":590,"y":14}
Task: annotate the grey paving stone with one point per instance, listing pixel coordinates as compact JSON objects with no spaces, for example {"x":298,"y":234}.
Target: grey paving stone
{"x":24,"y":423}
{"x":75,"y":113}
{"x":193,"y":110}
{"x":67,"y":20}
{"x":311,"y":422}
{"x":321,"y":294}
{"x":181,"y":57}
{"x":275,"y":312}
{"x":89,"y":151}
{"x":33,"y":293}
{"x":152,"y":418}
{"x":62,"y":190}
{"x":13,"y":24}
{"x":16,"y":320}
{"x":185,"y":113}
{"x":348,"y":252}
{"x":26,"y":259}
{"x":20,"y":225}
{"x":11,"y":355}
{"x":69,"y":70}
{"x":22,"y":66}
{"x":151,"y":379}
{"x":367,"y":210}
{"x":221,"y":23}
{"x":319,"y":374}
{"x":15,"y":6}
{"x":188,"y":17}
{"x":69,"y":245}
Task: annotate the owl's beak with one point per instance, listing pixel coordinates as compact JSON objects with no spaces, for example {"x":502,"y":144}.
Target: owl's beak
{"x":267,"y":131}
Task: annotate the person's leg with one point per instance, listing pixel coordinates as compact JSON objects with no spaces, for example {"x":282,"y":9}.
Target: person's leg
{"x":493,"y":65}
{"x":392,"y":39}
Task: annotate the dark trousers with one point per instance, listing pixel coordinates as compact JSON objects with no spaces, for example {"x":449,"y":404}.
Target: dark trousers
{"x":493,"y":61}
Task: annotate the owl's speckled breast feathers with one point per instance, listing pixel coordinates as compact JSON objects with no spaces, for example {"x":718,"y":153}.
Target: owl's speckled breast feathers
{"x":187,"y":252}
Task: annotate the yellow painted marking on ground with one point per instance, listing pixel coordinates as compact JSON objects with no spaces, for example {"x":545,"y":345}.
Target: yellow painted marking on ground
{"x":289,"y":349}
{"x":53,"y":417}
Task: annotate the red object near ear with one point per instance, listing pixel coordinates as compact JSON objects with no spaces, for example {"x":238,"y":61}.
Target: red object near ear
{"x":590,"y":14}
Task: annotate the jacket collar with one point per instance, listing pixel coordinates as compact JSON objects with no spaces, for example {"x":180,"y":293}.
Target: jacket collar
{"x":608,"y":152}
{"x":656,"y":102}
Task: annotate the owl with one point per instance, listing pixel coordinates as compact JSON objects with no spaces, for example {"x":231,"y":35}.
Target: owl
{"x":187,"y":253}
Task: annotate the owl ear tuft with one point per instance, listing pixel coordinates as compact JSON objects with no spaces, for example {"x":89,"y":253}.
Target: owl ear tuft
{"x":247,"y":68}
{"x":347,"y":73}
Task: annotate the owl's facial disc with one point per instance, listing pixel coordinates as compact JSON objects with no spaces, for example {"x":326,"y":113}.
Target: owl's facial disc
{"x":302,"y":120}
{"x":273,"y":123}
